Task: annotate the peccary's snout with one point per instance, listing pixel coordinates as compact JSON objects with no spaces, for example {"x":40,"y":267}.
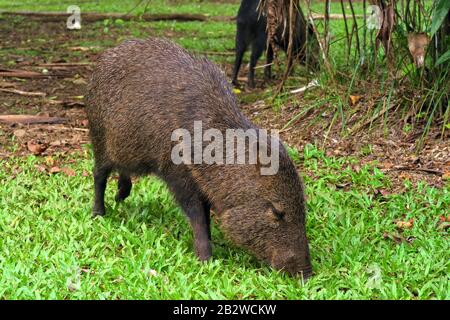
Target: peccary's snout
{"x":293,"y":263}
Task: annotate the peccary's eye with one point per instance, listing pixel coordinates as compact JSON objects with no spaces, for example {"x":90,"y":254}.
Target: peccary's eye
{"x":278,"y":214}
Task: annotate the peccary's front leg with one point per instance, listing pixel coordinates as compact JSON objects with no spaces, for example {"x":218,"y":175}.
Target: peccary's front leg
{"x":187,"y":196}
{"x":200,"y":226}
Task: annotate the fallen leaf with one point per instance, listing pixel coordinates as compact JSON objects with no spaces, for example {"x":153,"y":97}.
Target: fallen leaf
{"x":49,"y":161}
{"x":40,"y":168}
{"x":54,"y":170}
{"x":69,"y":172}
{"x":36,"y":146}
{"x":56,"y":143}
{"x":446,"y":175}
{"x":405,"y":224}
{"x":404,"y":176}
{"x":79,"y":81}
{"x":20,"y":133}
{"x":354,"y":99}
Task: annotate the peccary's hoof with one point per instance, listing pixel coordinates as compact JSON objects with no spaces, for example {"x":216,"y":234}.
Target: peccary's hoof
{"x":204,"y":258}
{"x":120,"y":197}
{"x":203,"y":252}
{"x":98,"y":212}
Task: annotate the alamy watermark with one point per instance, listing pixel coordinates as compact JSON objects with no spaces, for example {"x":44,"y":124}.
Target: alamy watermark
{"x":74,"y":20}
{"x":374,"y":18}
{"x":234,"y":146}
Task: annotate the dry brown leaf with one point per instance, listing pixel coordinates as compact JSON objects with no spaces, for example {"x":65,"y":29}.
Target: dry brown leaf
{"x":404,"y":176}
{"x":446,"y":175}
{"x":417,"y":45}
{"x":54,"y":170}
{"x":354,"y":99}
{"x":56,"y":143}
{"x":20,"y":133}
{"x":40,"y":168}
{"x":405,"y":224}
{"x":49,"y":161}
{"x":69,"y":172}
{"x":36,"y":147}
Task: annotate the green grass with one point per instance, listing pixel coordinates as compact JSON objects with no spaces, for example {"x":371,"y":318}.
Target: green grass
{"x":142,"y":249}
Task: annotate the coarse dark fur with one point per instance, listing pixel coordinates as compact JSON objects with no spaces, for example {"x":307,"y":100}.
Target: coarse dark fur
{"x":140,"y":92}
{"x":252,"y":31}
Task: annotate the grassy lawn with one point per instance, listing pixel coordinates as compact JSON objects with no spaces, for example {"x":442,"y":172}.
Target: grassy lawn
{"x":142,"y":249}
{"x":366,"y":242}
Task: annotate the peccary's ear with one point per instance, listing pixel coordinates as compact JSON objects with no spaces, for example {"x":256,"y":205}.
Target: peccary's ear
{"x":272,"y":217}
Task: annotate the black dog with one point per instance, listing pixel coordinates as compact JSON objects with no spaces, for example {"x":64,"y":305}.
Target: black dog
{"x":251,"y":30}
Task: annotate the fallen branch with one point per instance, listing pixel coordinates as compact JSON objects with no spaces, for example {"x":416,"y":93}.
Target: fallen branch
{"x":65,"y":64}
{"x":94,"y":16}
{"x":312,"y":84}
{"x":21,"y":74}
{"x":24,"y":93}
{"x":29,"y":119}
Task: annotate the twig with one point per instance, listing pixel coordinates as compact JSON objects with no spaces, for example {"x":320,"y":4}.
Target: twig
{"x":29,"y":119}
{"x":65,"y":64}
{"x":21,"y":74}
{"x":24,"y":93}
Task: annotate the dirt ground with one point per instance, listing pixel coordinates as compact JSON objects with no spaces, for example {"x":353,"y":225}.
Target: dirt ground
{"x":62,"y":84}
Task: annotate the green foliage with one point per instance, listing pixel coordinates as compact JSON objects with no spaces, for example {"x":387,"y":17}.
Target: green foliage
{"x":439,"y":13}
{"x":443,"y":58}
{"x":51,"y":248}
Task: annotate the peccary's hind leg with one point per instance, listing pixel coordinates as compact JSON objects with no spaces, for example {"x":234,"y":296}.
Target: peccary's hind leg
{"x":100,"y":180}
{"x":124,"y":187}
{"x":207,"y":209}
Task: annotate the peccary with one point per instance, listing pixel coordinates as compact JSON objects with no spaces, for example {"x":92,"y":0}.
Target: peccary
{"x":140,"y":93}
{"x":251,"y":30}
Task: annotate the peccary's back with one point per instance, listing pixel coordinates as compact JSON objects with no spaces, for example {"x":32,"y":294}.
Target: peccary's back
{"x":141,"y":91}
